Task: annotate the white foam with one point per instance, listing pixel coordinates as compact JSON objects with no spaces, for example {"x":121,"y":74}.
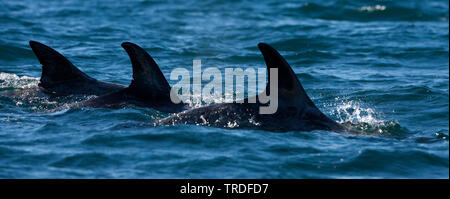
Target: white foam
{"x":355,"y":113}
{"x":8,"y":80}
{"x":372,"y":8}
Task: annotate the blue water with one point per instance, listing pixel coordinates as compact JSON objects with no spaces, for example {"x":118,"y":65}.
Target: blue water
{"x":379,"y":66}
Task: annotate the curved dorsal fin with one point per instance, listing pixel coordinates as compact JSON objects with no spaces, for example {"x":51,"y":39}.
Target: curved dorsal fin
{"x":149,"y":83}
{"x":290,"y":89}
{"x":146,"y":73}
{"x":55,"y":67}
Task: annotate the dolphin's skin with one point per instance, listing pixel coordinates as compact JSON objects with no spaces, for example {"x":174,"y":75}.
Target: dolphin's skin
{"x":149,"y":87}
{"x":296,"y":111}
{"x":61,"y":78}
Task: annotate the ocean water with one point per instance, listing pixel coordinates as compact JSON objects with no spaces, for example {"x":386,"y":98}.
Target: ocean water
{"x":381,"y":66}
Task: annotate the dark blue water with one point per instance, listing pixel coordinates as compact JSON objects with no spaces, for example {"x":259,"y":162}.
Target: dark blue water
{"x":379,"y":66}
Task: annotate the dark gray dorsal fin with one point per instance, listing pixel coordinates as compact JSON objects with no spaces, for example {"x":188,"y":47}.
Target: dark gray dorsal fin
{"x":289,"y":87}
{"x":149,"y":86}
{"x":149,"y":83}
{"x":291,"y":93}
{"x":55,"y":67}
{"x":146,"y":73}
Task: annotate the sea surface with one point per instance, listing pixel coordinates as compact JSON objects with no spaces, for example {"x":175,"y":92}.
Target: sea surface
{"x":380,"y":66}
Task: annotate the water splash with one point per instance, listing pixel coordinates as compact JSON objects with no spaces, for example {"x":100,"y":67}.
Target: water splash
{"x":354,"y":112}
{"x":357,"y":116}
{"x":372,"y":8}
{"x":13,"y":81}
{"x":198,"y":100}
{"x":23,"y":91}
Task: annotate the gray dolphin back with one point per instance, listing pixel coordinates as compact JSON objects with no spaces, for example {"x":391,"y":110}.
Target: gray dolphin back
{"x":292,"y":95}
{"x":147,"y":77}
{"x":149,"y":87}
{"x":55,"y":67}
{"x":60,"y":77}
{"x":295,"y":110}
{"x":290,"y":90}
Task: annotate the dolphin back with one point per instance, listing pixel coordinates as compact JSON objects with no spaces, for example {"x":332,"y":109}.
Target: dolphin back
{"x":292,"y":97}
{"x":55,"y":67}
{"x":149,"y":87}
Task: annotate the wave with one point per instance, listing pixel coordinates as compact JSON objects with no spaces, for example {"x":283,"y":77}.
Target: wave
{"x":12,"y":81}
{"x":393,"y":161}
{"x":384,"y":11}
{"x":12,"y":52}
{"x":359,"y":117}
{"x":23,"y":91}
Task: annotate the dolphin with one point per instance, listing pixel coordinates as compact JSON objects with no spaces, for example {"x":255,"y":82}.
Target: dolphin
{"x":296,"y":111}
{"x":149,"y":87}
{"x":60,"y":77}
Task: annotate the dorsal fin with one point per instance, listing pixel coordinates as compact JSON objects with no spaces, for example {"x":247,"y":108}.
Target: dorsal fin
{"x":148,"y":80}
{"x":289,"y":87}
{"x":291,"y":92}
{"x":55,"y":67}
